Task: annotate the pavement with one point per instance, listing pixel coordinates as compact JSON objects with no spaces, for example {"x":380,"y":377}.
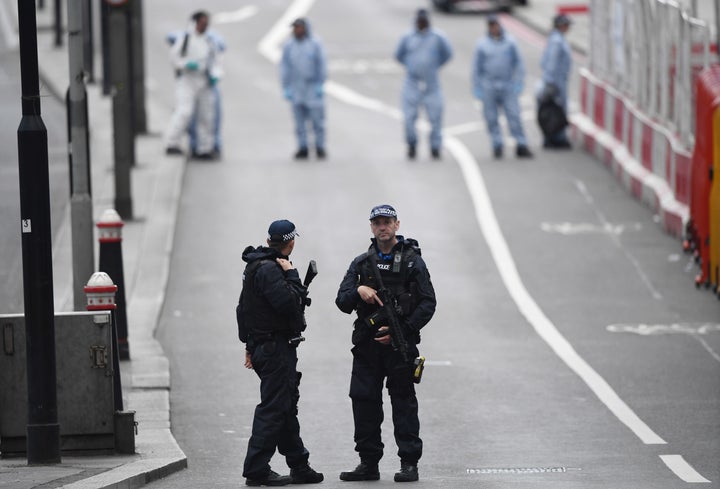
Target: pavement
{"x":147,"y":247}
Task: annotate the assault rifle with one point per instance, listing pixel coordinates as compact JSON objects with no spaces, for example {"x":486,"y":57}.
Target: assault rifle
{"x":387,"y":315}
{"x":309,"y":276}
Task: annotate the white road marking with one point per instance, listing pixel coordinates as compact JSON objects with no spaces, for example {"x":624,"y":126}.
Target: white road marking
{"x":682,"y":469}
{"x":656,"y":329}
{"x":235,"y":16}
{"x":693,"y":329}
{"x":569,"y":228}
{"x":270,"y":44}
{"x":269,"y":47}
{"x":527,"y":305}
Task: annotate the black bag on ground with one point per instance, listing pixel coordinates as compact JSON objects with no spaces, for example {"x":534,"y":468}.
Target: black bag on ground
{"x":551,"y":117}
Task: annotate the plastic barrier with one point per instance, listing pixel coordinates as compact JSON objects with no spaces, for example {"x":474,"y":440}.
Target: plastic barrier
{"x":645,"y":156}
{"x":698,"y":228}
{"x":706,"y":162}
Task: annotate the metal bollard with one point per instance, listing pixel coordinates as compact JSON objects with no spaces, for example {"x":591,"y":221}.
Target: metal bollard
{"x":100,"y":291}
{"x":110,"y":236}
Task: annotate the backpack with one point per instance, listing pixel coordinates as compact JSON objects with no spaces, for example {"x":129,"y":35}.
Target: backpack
{"x":248,"y":283}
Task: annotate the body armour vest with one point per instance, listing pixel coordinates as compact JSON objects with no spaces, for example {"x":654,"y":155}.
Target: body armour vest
{"x":395,"y":276}
{"x":259,"y":316}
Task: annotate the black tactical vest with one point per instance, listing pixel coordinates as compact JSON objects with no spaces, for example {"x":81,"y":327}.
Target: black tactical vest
{"x":395,"y":276}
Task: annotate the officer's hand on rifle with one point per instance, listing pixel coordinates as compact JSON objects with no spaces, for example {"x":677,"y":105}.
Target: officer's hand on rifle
{"x":381,"y":338}
{"x":369,"y":295}
{"x":284,"y":264}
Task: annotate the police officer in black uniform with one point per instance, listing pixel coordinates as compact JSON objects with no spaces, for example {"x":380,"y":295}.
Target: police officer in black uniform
{"x":403,"y":272}
{"x":270,"y":320}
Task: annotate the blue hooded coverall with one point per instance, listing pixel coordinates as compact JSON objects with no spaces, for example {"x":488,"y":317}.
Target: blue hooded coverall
{"x":303,"y":70}
{"x":555,"y":64}
{"x":423,"y":53}
{"x":497,"y":79}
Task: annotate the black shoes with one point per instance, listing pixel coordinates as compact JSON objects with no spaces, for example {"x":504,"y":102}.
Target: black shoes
{"x":272,"y":479}
{"x":497,"y":152}
{"x":305,"y":475}
{"x":408,"y":473}
{"x":173,"y":150}
{"x":523,"y":152}
{"x":411,"y":152}
{"x":303,"y":154}
{"x":363,"y":472}
{"x":203,"y":156}
{"x":563,"y":144}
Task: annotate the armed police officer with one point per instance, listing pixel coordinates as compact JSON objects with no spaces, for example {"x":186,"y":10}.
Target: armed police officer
{"x":390,"y":288}
{"x":270,"y":317}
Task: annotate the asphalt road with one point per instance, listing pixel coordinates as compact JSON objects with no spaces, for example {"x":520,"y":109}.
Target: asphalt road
{"x":569,"y":349}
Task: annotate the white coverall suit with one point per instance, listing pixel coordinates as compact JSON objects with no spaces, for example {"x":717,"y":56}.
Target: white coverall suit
{"x":198,"y":70}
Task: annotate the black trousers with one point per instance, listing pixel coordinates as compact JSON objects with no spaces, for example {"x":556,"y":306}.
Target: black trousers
{"x":373,"y":363}
{"x":275,"y":424}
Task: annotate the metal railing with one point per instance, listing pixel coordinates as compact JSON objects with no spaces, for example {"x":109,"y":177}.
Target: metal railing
{"x":651,"y":51}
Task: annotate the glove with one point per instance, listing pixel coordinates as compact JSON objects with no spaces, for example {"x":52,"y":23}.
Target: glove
{"x":517,"y":87}
{"x":287,"y":93}
{"x":192,"y":66}
{"x":319,"y":90}
{"x":478,"y":92}
{"x":212,"y":80}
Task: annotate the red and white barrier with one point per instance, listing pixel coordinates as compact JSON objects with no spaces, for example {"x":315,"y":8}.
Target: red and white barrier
{"x":646,"y":157}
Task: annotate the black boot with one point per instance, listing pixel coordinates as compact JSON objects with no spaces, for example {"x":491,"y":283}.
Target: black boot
{"x":301,"y":154}
{"x":272,"y":479}
{"x":321,"y":154}
{"x":305,"y":475}
{"x":411,"y":152}
{"x":523,"y":152}
{"x":408,"y":473}
{"x":363,"y":472}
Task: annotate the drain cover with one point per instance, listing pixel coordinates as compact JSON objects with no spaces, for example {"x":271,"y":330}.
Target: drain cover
{"x":522,"y":470}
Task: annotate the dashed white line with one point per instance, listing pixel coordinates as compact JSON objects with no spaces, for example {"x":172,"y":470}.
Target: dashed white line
{"x":601,"y":217}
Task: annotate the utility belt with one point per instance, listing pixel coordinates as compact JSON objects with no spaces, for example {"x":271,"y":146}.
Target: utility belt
{"x":289,"y":337}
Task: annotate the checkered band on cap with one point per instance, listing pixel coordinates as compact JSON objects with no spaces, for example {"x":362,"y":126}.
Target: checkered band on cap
{"x":282,"y":231}
{"x":383,"y":210}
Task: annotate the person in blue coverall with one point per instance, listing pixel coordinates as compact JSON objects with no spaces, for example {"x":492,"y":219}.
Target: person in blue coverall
{"x":423,"y":51}
{"x":219,"y":43}
{"x":497,"y":79}
{"x":555,"y":64}
{"x":303,"y":70}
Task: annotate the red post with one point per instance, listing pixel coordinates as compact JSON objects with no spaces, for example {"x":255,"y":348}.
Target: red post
{"x":111,"y":262}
